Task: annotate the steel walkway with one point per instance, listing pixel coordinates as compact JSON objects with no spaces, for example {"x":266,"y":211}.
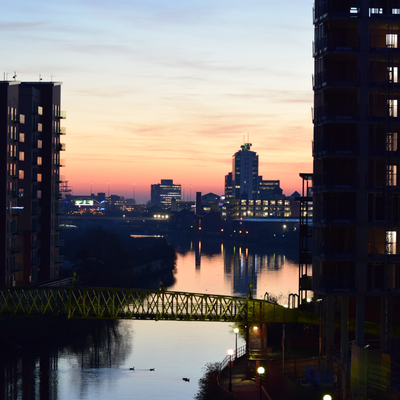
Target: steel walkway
{"x":105,"y":303}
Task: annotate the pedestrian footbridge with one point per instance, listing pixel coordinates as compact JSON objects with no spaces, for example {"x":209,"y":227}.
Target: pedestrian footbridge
{"x":105,"y":303}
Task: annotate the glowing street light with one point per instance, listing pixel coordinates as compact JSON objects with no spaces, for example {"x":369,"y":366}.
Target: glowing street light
{"x":261,"y":371}
{"x":230,"y":353}
{"x":236,"y":330}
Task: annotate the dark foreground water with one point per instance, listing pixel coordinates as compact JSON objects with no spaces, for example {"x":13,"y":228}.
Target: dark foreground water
{"x":99,"y":368}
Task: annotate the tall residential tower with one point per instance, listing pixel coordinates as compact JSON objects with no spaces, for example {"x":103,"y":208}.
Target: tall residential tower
{"x":30,"y":129}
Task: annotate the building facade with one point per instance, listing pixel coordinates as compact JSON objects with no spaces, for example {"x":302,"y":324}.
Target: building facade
{"x":356,"y":159}
{"x":242,"y":182}
{"x":30,"y":126}
{"x":163,"y":193}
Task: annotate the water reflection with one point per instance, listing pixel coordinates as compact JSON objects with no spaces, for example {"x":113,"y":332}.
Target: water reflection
{"x":30,"y":372}
{"x":228,"y":268}
{"x":92,"y":362}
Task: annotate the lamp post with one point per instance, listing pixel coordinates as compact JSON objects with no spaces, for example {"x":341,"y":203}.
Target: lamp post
{"x":230,"y":353}
{"x":236,"y":330}
{"x":260,"y":371}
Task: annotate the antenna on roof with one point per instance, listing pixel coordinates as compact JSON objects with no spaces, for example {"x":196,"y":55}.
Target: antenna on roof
{"x":15,"y":75}
{"x":40,"y":77}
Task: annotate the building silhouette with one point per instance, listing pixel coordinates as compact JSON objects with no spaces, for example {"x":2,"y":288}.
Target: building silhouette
{"x":356,"y":194}
{"x":30,"y":133}
{"x":163,"y":193}
{"x":242,"y":182}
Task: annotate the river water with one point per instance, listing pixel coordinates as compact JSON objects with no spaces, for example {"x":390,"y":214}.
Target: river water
{"x":175,"y":350}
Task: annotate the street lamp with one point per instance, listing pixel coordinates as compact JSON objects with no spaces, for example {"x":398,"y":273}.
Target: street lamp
{"x":236,"y":330}
{"x":230,"y":353}
{"x":261,"y":371}
{"x":327,"y":397}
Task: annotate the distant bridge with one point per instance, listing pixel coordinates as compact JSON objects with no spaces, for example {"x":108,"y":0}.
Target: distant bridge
{"x":139,"y":304}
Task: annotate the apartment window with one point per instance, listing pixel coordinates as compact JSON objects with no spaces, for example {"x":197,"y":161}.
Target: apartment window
{"x":39,"y":144}
{"x":22,"y":137}
{"x":40,"y":110}
{"x":39,"y":177}
{"x":392,"y":104}
{"x":20,"y":192}
{"x":21,"y":156}
{"x":392,"y":175}
{"x":21,"y":174}
{"x":39,"y":160}
{"x":391,"y":40}
{"x":391,"y":142}
{"x":393,"y":74}
{"x":391,"y":240}
{"x":40,"y":127}
{"x":375,"y":11}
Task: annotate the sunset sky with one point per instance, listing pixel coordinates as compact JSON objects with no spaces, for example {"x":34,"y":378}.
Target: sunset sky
{"x":167,"y":89}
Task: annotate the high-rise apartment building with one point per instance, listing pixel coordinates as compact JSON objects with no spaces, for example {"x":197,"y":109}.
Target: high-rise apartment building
{"x":163,"y":193}
{"x":356,"y":159}
{"x":30,"y":132}
{"x":243,"y":181}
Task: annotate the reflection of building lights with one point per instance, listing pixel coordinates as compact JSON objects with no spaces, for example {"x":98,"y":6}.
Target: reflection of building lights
{"x":240,"y":231}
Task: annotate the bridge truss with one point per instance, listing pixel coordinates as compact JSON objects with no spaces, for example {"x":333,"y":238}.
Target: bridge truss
{"x":104,"y":303}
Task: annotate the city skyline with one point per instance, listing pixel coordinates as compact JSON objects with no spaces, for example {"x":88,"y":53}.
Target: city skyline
{"x":169,"y":91}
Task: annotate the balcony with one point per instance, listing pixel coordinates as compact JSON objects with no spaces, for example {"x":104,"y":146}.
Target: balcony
{"x":336,"y":113}
{"x":335,"y":9}
{"x":331,"y":147}
{"x":335,"y":78}
{"x":35,"y":260}
{"x":337,"y":44}
{"x":60,"y":147}
{"x":14,"y":117}
{"x":60,"y":130}
{"x":61,"y":114}
{"x":59,"y":243}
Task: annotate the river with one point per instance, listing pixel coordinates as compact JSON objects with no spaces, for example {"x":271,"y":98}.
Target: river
{"x":175,"y":350}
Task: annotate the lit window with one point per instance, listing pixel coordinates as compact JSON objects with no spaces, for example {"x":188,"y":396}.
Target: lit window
{"x":21,"y":156}
{"x":391,"y":240}
{"x":22,"y":137}
{"x":39,"y":144}
{"x":21,"y":174}
{"x":39,"y":177}
{"x":39,"y":161}
{"x":391,"y":40}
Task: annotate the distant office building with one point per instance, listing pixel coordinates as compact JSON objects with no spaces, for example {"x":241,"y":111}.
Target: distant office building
{"x":269,"y":189}
{"x":237,"y":209}
{"x":162,"y":193}
{"x":228,"y":186}
{"x":242,"y":182}
{"x":30,"y":140}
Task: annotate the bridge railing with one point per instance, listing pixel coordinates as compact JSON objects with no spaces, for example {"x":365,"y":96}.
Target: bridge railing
{"x":241,"y":351}
{"x":105,"y":303}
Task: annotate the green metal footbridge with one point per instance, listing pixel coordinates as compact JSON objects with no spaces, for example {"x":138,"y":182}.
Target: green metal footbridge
{"x":137,"y":304}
